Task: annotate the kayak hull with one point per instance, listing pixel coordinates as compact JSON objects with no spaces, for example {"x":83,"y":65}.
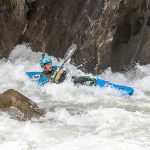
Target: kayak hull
{"x":97,"y":81}
{"x":124,"y":89}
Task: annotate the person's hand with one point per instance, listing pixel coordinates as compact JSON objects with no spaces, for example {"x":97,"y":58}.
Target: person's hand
{"x":59,"y":71}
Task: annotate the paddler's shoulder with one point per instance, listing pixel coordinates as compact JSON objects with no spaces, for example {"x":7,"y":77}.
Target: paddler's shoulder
{"x":55,"y":67}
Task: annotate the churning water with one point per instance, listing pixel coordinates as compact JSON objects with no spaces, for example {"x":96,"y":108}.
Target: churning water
{"x":77,"y":118}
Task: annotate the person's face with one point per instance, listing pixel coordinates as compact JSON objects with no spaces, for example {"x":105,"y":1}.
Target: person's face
{"x":48,"y":67}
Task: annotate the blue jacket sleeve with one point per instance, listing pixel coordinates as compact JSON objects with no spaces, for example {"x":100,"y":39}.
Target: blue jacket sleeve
{"x":43,"y":80}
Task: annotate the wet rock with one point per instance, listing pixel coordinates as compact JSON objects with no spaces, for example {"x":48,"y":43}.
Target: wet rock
{"x":5,"y":102}
{"x":13,"y":100}
{"x":12,"y":23}
{"x":109,"y":33}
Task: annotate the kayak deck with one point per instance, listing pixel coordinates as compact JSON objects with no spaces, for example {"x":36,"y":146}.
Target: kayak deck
{"x":84,"y":80}
{"x":124,"y":89}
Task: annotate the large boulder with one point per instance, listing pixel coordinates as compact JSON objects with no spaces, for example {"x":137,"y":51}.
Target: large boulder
{"x":12,"y":99}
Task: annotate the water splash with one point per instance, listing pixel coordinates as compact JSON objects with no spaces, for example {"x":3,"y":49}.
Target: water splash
{"x":77,"y":118}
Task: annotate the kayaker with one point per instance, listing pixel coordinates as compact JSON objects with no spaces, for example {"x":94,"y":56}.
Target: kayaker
{"x":50,"y":71}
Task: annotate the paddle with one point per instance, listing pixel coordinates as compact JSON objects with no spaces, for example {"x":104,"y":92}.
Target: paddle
{"x":69,"y":53}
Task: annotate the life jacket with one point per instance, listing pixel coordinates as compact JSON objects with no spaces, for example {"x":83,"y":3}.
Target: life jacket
{"x":54,"y":76}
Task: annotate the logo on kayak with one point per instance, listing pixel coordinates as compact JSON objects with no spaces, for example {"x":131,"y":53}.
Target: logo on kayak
{"x":35,"y":77}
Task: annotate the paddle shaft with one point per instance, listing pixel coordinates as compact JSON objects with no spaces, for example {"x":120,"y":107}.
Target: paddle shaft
{"x":68,"y":55}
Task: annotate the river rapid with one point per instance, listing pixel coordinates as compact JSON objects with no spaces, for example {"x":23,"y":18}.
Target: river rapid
{"x":77,"y":118}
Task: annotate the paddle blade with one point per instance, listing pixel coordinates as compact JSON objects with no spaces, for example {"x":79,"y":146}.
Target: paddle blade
{"x":70,"y":52}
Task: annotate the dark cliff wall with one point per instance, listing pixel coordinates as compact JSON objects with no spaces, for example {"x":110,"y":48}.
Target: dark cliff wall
{"x":111,"y":33}
{"x":12,"y":22}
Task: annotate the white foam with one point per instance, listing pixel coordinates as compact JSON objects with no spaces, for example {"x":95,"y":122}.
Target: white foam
{"x":78,"y":118}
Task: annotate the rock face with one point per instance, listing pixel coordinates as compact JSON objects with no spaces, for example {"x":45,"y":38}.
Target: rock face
{"x":12,"y":23}
{"x":109,"y":33}
{"x":13,"y":99}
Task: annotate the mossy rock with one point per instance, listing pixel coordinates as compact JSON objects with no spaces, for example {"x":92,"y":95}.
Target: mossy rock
{"x":9,"y":5}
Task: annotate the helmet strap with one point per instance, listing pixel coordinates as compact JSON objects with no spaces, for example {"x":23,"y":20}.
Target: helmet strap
{"x":43,"y":55}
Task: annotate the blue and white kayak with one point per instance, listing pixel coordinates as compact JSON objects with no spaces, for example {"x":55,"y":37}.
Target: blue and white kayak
{"x":84,"y":80}
{"x":125,"y":90}
{"x":97,"y":81}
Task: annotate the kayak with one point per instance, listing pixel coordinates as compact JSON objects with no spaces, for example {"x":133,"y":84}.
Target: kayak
{"x":97,"y":81}
{"x":37,"y":76}
{"x":84,"y":80}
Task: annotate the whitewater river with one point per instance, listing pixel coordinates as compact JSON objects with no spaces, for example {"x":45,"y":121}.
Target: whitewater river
{"x":77,"y":118}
